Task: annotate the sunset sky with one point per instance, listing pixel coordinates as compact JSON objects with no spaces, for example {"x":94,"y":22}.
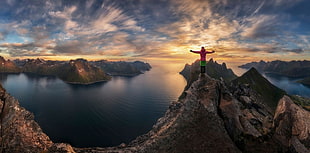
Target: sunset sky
{"x":160,"y":30}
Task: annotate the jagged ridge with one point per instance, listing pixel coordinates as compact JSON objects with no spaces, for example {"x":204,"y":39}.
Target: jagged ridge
{"x":269,"y":93}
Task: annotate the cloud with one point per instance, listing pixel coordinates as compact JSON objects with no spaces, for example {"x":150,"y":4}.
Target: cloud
{"x":112,"y":19}
{"x":69,"y":47}
{"x":23,"y":49}
{"x":261,"y":26}
{"x":296,"y":50}
{"x":3,"y":35}
{"x":150,"y":28}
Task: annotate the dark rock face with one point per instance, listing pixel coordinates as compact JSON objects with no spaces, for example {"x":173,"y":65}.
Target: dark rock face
{"x":292,"y":124}
{"x":290,"y":69}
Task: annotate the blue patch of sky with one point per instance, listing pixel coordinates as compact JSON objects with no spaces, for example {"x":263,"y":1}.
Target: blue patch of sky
{"x":15,"y":38}
{"x":300,"y":13}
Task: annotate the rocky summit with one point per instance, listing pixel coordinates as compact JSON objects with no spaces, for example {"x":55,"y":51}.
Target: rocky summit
{"x":211,"y":116}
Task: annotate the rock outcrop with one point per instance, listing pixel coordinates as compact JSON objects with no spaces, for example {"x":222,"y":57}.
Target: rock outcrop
{"x":292,"y":126}
{"x":19,"y":131}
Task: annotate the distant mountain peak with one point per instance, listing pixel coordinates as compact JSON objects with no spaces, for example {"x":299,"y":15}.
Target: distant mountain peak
{"x":270,"y":93}
{"x":252,"y":71}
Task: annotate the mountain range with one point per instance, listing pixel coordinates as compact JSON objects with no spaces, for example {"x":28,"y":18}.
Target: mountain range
{"x":121,"y":68}
{"x":240,"y":114}
{"x":296,"y":69}
{"x":79,"y":71}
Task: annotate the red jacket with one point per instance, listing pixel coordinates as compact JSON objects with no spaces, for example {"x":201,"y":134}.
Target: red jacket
{"x":202,"y":53}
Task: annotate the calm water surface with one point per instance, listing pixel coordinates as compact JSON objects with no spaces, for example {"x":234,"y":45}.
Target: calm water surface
{"x":101,"y":114}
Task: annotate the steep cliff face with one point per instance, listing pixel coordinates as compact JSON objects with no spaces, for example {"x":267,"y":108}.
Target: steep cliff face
{"x":19,"y":131}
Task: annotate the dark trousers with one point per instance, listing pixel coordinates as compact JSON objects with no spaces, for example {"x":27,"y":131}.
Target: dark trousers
{"x":202,"y":69}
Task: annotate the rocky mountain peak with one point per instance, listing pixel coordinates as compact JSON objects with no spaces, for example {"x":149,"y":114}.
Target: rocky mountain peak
{"x":2,"y":60}
{"x":269,"y":94}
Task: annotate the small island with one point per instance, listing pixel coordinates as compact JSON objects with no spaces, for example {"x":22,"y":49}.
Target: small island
{"x":79,"y":71}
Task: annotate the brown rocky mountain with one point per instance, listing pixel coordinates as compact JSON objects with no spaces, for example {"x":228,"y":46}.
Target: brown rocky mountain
{"x":211,"y":117}
{"x":7,"y":66}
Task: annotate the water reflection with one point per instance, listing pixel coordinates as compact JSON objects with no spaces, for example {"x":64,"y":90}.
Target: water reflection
{"x":3,"y":77}
{"x":87,"y":86}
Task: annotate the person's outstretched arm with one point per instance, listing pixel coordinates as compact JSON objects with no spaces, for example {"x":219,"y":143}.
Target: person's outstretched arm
{"x":195,"y":51}
{"x":211,"y":52}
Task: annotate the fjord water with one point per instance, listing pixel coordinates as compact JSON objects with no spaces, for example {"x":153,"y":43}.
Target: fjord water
{"x":290,"y":85}
{"x":100,"y":114}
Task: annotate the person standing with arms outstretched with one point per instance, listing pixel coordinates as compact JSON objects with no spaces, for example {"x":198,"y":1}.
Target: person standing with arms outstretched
{"x":203,"y":53}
